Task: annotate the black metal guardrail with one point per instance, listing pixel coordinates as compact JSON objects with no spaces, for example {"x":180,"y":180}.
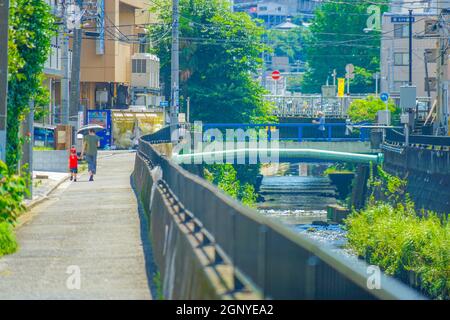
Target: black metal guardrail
{"x":266,"y":256}
{"x":393,"y":136}
{"x":161,"y":136}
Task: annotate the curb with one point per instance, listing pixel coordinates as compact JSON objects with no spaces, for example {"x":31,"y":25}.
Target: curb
{"x":34,"y":203}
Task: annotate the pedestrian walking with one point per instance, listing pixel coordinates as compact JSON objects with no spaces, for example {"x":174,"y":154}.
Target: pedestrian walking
{"x":73,"y":164}
{"x":321,"y":123}
{"x":90,"y":147}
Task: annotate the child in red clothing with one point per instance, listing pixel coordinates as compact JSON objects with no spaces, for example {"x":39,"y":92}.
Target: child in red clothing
{"x":73,"y":164}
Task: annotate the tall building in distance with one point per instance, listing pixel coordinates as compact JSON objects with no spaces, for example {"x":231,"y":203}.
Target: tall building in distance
{"x":274,"y":12}
{"x":395,"y":53}
{"x":423,"y":6}
{"x":430,"y":57}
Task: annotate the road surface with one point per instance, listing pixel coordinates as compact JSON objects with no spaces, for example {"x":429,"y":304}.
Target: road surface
{"x":82,"y":243}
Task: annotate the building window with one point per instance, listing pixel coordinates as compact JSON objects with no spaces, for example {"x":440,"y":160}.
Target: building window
{"x":401,"y":59}
{"x":262,"y":8}
{"x":139,"y":66}
{"x":432,"y":83}
{"x":431,"y":27}
{"x":401,"y":30}
{"x":143,"y":43}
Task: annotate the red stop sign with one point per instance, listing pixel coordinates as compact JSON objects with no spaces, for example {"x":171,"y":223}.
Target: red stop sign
{"x":276,"y":75}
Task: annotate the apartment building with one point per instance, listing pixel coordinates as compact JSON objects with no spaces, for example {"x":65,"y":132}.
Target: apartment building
{"x":427,"y":59}
{"x":106,"y":60}
{"x":106,"y":64}
{"x":395,"y":53}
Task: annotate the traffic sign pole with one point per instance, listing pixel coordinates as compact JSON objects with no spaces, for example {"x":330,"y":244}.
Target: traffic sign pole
{"x":385,"y":97}
{"x":349,"y":68}
{"x":276,"y":75}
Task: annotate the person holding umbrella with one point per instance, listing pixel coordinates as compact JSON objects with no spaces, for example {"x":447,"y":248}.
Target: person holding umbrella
{"x":91,"y":142}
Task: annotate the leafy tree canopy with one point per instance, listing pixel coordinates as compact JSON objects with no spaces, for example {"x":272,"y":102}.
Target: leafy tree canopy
{"x":336,"y":38}
{"x":220,"y":51}
{"x":31,"y":28}
{"x":366,"y":109}
{"x":287,"y":43}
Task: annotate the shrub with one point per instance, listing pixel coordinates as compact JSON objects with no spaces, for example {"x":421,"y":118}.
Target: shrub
{"x":404,"y":245}
{"x":8,"y":242}
{"x":13,"y":189}
{"x":225,"y":177}
{"x":366,"y":109}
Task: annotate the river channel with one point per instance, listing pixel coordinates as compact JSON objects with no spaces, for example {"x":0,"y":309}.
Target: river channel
{"x":300,"y":202}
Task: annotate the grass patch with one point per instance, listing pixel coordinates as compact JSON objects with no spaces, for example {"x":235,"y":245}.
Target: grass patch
{"x":8,"y":243}
{"x":411,"y":248}
{"x":158,"y":285}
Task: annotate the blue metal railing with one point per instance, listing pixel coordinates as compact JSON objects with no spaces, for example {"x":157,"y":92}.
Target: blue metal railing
{"x":334,"y":132}
{"x":299,"y":132}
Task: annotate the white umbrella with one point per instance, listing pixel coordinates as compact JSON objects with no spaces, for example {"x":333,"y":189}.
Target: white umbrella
{"x":85,"y":129}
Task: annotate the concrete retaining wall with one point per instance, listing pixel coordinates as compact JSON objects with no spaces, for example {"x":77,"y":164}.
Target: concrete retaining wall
{"x":185,"y":268}
{"x":54,"y":160}
{"x":427,"y":173}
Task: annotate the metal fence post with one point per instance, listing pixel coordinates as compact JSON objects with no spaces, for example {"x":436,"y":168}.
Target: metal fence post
{"x":262,"y":261}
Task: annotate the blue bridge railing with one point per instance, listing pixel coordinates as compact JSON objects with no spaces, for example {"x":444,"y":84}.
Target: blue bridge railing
{"x":299,"y":131}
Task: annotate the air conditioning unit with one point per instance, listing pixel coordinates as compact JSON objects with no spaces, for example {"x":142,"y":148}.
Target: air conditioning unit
{"x":145,"y":71}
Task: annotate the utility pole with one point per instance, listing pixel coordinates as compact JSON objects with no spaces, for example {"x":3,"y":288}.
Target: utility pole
{"x":64,"y":40}
{"x":188,"y":109}
{"x":75,"y":105}
{"x":442,"y":115}
{"x":427,"y":78}
{"x":4,"y":14}
{"x":410,"y":46}
{"x":27,"y":148}
{"x":175,"y":72}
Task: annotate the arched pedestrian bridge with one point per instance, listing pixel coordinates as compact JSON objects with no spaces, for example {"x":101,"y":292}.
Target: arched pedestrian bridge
{"x":270,"y":143}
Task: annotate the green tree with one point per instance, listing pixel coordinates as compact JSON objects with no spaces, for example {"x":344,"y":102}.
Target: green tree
{"x":366,"y":109}
{"x":336,"y":38}
{"x":287,"y":43}
{"x":31,"y":28}
{"x":219,"y":52}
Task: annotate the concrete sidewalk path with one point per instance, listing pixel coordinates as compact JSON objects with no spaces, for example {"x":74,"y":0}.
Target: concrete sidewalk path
{"x":85,"y":229}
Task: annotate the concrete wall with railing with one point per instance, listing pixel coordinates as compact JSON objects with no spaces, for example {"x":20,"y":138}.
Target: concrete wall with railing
{"x":207,"y":245}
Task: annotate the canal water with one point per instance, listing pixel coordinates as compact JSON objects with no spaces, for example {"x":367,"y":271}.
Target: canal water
{"x":300,"y":202}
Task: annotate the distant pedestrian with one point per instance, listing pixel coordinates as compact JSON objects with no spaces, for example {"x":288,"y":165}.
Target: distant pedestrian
{"x":321,"y":123}
{"x":90,"y":147}
{"x":73,"y":164}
